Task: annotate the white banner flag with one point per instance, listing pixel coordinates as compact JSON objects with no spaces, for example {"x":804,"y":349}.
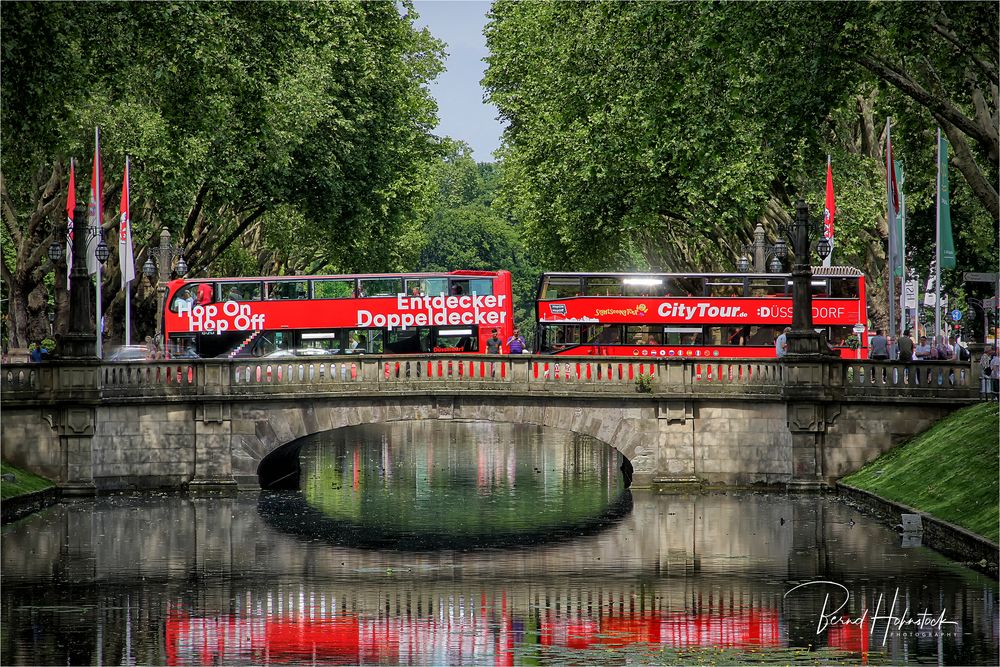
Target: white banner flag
{"x":125,"y":235}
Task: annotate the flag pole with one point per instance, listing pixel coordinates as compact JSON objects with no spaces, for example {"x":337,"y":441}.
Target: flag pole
{"x":828,"y":260}
{"x":127,"y":286}
{"x":97,"y":189}
{"x":902,"y":254}
{"x":937,"y":245}
{"x":891,"y":218}
{"x":99,"y":317}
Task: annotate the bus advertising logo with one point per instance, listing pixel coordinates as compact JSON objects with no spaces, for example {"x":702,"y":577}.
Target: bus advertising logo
{"x":700,"y":310}
{"x":419,"y":311}
{"x":557,"y":308}
{"x":638,"y":311}
{"x":235,"y":316}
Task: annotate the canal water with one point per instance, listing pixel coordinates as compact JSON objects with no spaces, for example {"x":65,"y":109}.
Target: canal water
{"x":440,"y":543}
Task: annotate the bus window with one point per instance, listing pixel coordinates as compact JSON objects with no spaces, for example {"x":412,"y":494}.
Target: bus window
{"x":460,"y":287}
{"x":456,"y":340}
{"x":727,"y":287}
{"x":333,"y":289}
{"x":380,"y":287}
{"x":481,"y":286}
{"x":415,"y":287}
{"x":644,"y":335}
{"x":643,"y":286}
{"x":435,"y":286}
{"x":844,"y":288}
{"x":559,"y":336}
{"x":713,"y":336}
{"x":601,"y":286}
{"x":765,"y":335}
{"x":604,"y":334}
{"x":683,"y":286}
{"x":242,"y":291}
{"x":839,"y":335}
{"x":819,"y":287}
{"x":184,"y":346}
{"x":269,"y":342}
{"x":326,"y":341}
{"x":560,"y":288}
{"x":682,"y":335}
{"x":187,"y":293}
{"x":364,"y":341}
{"x":737,"y":335}
{"x":287,"y":289}
{"x":767,"y":286}
{"x":408,"y":341}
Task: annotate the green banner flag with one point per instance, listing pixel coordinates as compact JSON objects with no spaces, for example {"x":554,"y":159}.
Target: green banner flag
{"x":947,"y":246}
{"x":900,"y":222}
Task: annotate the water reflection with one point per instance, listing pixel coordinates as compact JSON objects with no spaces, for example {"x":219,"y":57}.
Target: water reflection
{"x":447,"y":485}
{"x":678,"y":579}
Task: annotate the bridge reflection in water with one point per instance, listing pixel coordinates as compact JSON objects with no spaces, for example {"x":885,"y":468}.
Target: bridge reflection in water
{"x":685,"y":578}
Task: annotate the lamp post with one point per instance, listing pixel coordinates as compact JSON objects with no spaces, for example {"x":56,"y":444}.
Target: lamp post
{"x":759,"y":251}
{"x":78,"y":340}
{"x":159,"y":260}
{"x":803,"y":339}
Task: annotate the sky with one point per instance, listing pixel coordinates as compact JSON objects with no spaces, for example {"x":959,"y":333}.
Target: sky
{"x":463,"y":114}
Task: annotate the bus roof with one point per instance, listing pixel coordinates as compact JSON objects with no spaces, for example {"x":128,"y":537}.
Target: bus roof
{"x":816,"y":271}
{"x":350,"y":276}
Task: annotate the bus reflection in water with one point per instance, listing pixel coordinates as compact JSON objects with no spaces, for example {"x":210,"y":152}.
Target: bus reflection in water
{"x":690,"y":315}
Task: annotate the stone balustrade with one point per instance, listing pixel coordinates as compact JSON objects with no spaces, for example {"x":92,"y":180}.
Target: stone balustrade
{"x":527,"y":373}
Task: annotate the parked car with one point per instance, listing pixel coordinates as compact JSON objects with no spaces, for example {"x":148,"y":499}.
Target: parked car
{"x":127,"y":353}
{"x":299,"y":352}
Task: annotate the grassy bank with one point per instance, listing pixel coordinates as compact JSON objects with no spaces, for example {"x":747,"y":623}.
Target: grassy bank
{"x":24,"y":482}
{"x":951,"y":471}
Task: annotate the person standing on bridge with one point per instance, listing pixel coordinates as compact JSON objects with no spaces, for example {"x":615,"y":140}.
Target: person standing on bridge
{"x":781,"y":343}
{"x":494,"y":344}
{"x":905,"y":346}
{"x":515,"y":344}
{"x":878,"y":347}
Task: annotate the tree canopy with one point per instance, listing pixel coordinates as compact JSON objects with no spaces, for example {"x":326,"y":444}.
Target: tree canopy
{"x":659,"y":134}
{"x":247,"y":123}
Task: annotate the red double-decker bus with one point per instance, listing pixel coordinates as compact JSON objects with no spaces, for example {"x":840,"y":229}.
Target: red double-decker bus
{"x":342,"y":314}
{"x":691,"y":315}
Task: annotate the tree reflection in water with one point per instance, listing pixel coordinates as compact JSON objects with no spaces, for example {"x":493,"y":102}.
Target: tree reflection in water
{"x":450,"y":485}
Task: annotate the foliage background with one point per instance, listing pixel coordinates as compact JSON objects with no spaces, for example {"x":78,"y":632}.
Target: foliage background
{"x":291,"y":138}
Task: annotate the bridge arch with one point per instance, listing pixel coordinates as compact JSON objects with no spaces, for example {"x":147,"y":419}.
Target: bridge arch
{"x":266,"y":443}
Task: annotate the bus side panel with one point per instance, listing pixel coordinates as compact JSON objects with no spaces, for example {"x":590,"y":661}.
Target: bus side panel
{"x":502,"y":286}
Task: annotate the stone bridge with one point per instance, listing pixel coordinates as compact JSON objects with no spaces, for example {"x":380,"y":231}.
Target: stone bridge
{"x":800,"y":423}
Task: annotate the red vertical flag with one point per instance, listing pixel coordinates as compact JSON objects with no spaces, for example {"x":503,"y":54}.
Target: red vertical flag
{"x":125,"y":234}
{"x":70,"y":205}
{"x":831,"y":207}
{"x":96,"y":209}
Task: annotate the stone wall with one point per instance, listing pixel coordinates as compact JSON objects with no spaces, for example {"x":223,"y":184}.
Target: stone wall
{"x":138,"y":447}
{"x":31,"y":443}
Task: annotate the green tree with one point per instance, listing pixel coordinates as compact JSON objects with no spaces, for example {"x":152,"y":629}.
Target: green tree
{"x":658,"y":134}
{"x":466,"y":232}
{"x":281,"y":136}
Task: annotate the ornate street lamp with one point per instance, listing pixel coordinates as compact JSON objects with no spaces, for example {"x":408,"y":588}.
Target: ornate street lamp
{"x":159,"y":261}
{"x":79,"y":295}
{"x":803,"y":339}
{"x":757,"y":253}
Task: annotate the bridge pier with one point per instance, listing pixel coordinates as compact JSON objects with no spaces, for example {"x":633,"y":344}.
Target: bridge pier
{"x":213,"y":469}
{"x":811,"y":408}
{"x":76,"y":390}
